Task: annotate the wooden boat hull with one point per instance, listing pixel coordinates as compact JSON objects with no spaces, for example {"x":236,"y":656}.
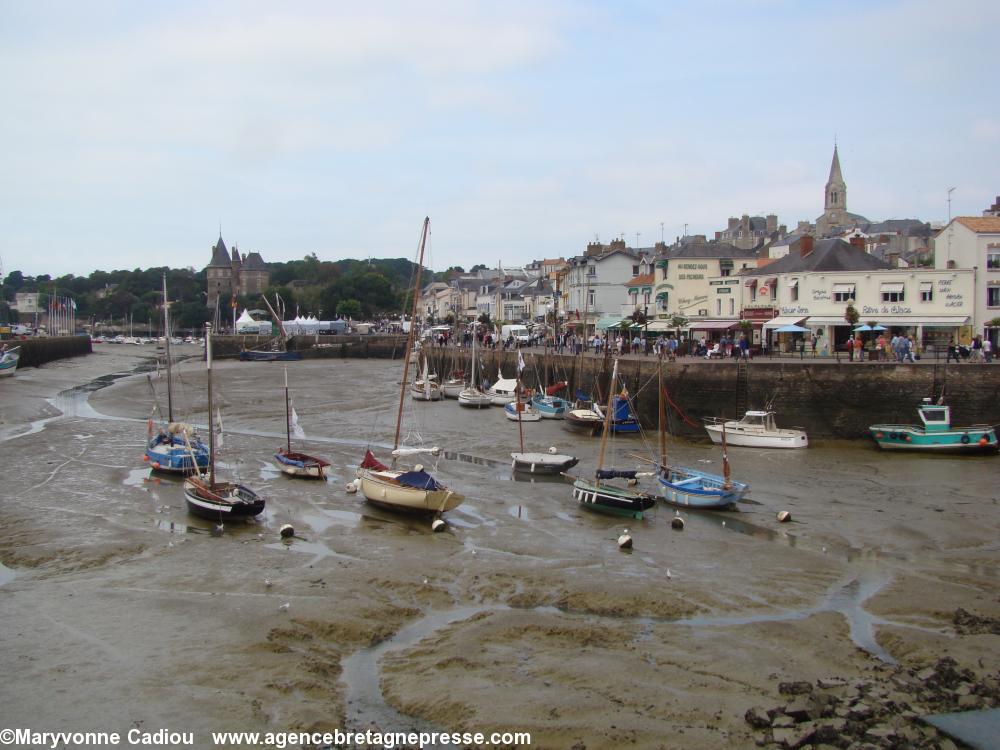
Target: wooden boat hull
{"x":301,"y":465}
{"x":174,"y":458}
{"x":689,"y":488}
{"x":749,"y":438}
{"x":419,"y":393}
{"x":221,"y":502}
{"x":896,"y":437}
{"x":381,"y":488}
{"x":451,"y":388}
{"x":474,"y":399}
{"x":584,"y":420}
{"x":617,"y":501}
{"x":542,"y":463}
{"x":527,"y":413}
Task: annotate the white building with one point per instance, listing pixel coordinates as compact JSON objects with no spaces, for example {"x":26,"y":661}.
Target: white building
{"x":973,"y":242}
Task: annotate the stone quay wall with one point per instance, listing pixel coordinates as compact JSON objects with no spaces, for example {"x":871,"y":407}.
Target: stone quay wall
{"x":829,"y":399}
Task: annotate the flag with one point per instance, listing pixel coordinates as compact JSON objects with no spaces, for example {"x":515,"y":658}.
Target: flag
{"x":520,"y":362}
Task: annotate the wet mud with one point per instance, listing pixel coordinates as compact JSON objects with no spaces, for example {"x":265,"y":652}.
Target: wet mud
{"x":119,"y":607}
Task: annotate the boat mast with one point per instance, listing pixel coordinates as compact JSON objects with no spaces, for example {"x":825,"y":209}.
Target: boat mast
{"x":410,"y":338}
{"x":662,"y":416}
{"x":288,"y":417}
{"x":727,"y":484}
{"x":607,"y":418}
{"x":166,"y":338}
{"x":517,"y":404}
{"x":211,"y":416}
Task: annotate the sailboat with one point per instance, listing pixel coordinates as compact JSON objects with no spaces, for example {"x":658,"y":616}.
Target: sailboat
{"x":296,"y":463}
{"x":535,"y":463}
{"x":175,"y":448}
{"x":471,"y":396}
{"x":690,"y":487}
{"x":401,"y":489}
{"x":597,"y":494}
{"x":426,"y":387}
{"x":207,"y":497}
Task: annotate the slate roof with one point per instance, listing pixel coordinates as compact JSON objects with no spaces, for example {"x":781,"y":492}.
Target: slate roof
{"x":254,"y":262}
{"x":220,"y":256}
{"x":905,"y":227}
{"x":827,"y":255}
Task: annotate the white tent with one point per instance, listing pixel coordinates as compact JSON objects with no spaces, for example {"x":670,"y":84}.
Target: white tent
{"x":246,"y":324}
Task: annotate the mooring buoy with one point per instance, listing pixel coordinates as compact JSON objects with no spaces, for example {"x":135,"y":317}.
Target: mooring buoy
{"x":784,"y":516}
{"x":625,"y":540}
{"x":287,"y":531}
{"x":438,"y":524}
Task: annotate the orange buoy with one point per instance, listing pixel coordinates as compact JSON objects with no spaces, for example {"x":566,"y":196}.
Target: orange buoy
{"x":983,"y":442}
{"x":145,"y":457}
{"x":878,"y":435}
{"x":156,"y":464}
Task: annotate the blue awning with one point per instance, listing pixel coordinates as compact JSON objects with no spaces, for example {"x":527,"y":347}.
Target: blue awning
{"x":608,"y":321}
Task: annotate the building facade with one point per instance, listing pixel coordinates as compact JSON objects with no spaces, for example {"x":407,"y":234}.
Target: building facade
{"x":230,"y":275}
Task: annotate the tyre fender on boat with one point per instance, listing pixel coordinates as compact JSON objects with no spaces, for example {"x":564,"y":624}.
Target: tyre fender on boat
{"x":965,"y":439}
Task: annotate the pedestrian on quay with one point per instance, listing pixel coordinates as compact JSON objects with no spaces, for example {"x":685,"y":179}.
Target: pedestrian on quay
{"x":977,"y":349}
{"x":849,"y":345}
{"x":987,"y":350}
{"x":744,"y":347}
{"x":952,"y":352}
{"x":859,"y":347}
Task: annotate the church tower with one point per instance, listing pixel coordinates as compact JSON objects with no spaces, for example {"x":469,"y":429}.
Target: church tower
{"x":835,"y":201}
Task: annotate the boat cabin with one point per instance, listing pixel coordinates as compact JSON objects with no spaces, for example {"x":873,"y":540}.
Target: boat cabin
{"x":935,"y":418}
{"x":759,"y":420}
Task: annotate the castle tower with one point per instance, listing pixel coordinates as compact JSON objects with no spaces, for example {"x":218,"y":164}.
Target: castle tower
{"x":219,"y":274}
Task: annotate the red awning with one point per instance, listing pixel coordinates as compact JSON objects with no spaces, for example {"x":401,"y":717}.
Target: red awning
{"x":751,"y":282}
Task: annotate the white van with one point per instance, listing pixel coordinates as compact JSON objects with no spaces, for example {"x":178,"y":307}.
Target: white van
{"x":519,"y":332}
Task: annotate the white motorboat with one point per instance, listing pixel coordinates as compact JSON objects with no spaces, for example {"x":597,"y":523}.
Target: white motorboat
{"x":756,"y":430}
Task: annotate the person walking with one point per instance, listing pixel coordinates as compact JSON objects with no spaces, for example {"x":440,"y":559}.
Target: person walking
{"x":849,"y":344}
{"x":952,"y":352}
{"x":859,"y":347}
{"x":977,"y":349}
{"x":987,"y":350}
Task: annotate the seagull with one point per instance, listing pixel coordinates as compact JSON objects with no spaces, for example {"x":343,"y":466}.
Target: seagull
{"x":425,"y":582}
{"x":285,"y":607}
{"x":668,"y":573}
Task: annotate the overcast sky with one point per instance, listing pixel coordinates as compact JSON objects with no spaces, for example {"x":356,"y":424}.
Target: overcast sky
{"x":131,"y":131}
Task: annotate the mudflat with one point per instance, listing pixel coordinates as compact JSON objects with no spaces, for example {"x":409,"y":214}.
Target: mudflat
{"x":876,"y":603}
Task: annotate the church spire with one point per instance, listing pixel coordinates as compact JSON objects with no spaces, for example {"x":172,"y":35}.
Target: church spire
{"x":836,"y":188}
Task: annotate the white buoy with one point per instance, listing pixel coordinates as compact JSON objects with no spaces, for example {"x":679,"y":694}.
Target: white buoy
{"x":418,"y":467}
{"x":552,"y":450}
{"x":438,"y":524}
{"x":351,"y":488}
{"x":784,"y":516}
{"x":632,"y":482}
{"x":625,"y":540}
{"x":677,"y":523}
{"x":287,"y":531}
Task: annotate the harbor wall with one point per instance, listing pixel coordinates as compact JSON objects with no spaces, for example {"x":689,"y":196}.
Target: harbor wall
{"x":35,"y":352}
{"x":828,"y":398}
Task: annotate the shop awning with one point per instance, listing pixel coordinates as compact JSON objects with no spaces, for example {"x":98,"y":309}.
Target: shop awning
{"x":608,"y":321}
{"x":892,"y":286}
{"x":924,"y":285}
{"x":793,"y":283}
{"x":843,"y":288}
{"x":751,"y":282}
{"x":661,"y":295}
{"x":660,"y":325}
{"x":785,"y":320}
{"x":935,"y":320}
{"x":822,"y":320}
{"x":714,"y":325}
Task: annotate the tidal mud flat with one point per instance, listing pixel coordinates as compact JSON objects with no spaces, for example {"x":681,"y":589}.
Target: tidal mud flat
{"x":120,"y":610}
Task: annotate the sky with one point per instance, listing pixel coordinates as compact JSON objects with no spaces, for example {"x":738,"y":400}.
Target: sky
{"x":130,"y":133}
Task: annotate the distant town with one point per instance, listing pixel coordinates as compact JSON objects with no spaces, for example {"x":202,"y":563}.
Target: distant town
{"x":822,"y":281}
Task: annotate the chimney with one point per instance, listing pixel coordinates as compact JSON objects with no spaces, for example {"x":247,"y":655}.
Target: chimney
{"x":733,"y":223}
{"x":893,"y":259}
{"x":858,"y":242}
{"x":806,"y":245}
{"x":772,"y":223}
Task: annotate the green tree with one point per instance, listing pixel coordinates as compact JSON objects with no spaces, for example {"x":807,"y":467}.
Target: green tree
{"x":349,"y":308}
{"x":851,"y":315}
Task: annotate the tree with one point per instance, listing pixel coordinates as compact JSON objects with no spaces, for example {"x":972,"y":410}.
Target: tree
{"x":677,"y":323}
{"x":851,"y":315}
{"x":349,"y":308}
